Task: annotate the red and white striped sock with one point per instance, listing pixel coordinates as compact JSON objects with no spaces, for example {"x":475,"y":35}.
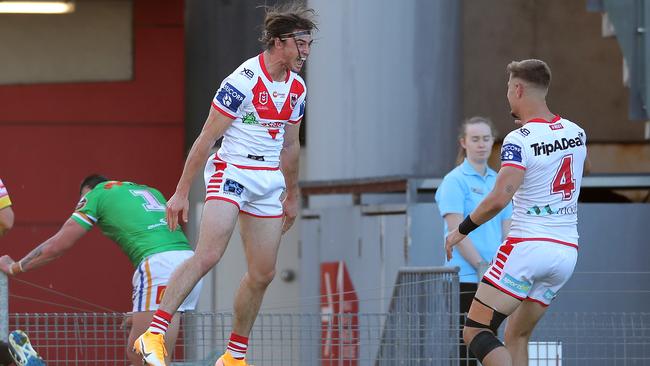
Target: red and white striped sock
{"x":237,"y":346}
{"x":160,"y":322}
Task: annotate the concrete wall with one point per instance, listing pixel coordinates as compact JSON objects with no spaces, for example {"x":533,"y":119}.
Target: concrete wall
{"x":372,"y":247}
{"x":383,"y":88}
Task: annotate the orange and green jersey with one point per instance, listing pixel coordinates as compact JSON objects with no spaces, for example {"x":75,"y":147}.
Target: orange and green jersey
{"x":4,"y":196}
{"x":133,"y":216}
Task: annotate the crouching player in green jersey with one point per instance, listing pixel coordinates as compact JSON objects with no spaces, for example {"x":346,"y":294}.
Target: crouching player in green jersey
{"x":133,"y":216}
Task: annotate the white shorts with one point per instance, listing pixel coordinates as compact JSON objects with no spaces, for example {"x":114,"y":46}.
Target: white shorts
{"x":151,"y":277}
{"x":532,"y":270}
{"x":256,"y":191}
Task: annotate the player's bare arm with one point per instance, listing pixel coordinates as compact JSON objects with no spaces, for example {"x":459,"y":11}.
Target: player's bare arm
{"x":289,"y":165}
{"x":6,"y":220}
{"x":46,"y":252}
{"x":508,"y":181}
{"x":214,"y":127}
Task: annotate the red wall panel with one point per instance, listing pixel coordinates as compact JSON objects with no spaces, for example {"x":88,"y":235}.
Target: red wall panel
{"x":94,"y":270}
{"x":53,"y":135}
{"x":43,"y":173}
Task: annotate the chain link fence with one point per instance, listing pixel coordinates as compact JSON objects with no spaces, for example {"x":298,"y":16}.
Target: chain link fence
{"x":594,"y":339}
{"x":421,"y":327}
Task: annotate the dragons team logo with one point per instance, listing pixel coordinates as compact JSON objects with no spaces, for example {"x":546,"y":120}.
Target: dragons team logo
{"x":264,"y":97}
{"x":293,"y":99}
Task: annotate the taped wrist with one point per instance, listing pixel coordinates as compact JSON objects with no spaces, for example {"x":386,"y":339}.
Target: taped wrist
{"x":467,"y":226}
{"x":15,"y":268}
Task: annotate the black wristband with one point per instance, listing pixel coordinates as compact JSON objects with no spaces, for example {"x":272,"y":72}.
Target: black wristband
{"x":467,"y":226}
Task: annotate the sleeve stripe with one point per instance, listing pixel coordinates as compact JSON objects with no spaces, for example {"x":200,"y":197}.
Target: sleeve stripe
{"x":295,"y":122}
{"x":220,"y":110}
{"x":514,"y":165}
{"x":83,"y":218}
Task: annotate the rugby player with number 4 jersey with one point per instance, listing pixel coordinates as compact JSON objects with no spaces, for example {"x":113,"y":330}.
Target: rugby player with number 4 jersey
{"x":541,"y":170}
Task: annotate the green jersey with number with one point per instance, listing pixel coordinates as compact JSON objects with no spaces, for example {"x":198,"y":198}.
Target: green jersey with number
{"x":133,"y":216}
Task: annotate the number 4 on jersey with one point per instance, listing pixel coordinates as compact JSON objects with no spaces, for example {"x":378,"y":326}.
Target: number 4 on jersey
{"x":563,"y":182}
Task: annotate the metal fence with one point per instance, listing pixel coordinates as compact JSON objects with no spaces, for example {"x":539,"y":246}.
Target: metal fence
{"x":297,"y":339}
{"x":421,"y":327}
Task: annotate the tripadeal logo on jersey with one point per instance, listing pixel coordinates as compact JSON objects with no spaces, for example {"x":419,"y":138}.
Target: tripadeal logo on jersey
{"x":557,"y":145}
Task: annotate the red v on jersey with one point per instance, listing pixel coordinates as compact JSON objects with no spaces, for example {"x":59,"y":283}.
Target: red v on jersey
{"x":265,"y":107}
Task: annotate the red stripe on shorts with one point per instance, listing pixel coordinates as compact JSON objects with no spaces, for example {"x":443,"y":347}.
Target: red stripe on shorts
{"x":499,"y":264}
{"x":550,"y":240}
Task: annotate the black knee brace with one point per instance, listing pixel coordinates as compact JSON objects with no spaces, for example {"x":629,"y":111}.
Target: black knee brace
{"x":484,"y":343}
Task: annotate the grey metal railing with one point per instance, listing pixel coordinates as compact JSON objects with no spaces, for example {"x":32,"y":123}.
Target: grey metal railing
{"x":422,"y":322}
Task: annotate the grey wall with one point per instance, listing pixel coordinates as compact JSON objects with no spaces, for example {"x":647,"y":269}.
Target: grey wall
{"x":383,"y":90}
{"x":372,"y":247}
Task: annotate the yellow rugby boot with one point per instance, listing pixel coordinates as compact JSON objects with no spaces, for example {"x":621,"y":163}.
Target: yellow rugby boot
{"x":227,"y":360}
{"x":151,"y":347}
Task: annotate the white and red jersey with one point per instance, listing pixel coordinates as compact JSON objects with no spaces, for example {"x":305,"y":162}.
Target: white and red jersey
{"x":553,"y":154}
{"x":260,"y":108}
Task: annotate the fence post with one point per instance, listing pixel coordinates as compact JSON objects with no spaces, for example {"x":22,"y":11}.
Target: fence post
{"x":4,"y":307}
